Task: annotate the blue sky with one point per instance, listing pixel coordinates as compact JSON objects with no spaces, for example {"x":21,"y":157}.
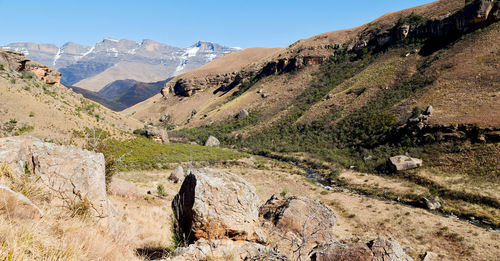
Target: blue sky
{"x":182,"y":22}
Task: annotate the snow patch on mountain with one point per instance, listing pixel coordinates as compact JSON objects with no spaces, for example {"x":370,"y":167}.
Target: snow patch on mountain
{"x":58,"y":55}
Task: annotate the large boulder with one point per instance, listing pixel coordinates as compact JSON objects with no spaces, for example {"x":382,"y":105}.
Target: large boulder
{"x":302,"y":216}
{"x":226,"y":250}
{"x":70,"y":174}
{"x":379,"y":249}
{"x":157,"y":134}
{"x":213,"y":204}
{"x":243,"y":114}
{"x":212,"y":142}
{"x":177,"y":175}
{"x":17,"y":205}
{"x":402,"y":163}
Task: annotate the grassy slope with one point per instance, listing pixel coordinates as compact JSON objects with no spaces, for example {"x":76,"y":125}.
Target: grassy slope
{"x":52,"y":111}
{"x":373,"y":94}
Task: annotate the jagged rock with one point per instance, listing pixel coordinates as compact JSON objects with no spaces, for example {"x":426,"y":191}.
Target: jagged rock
{"x":14,"y":204}
{"x":226,"y":250}
{"x":379,"y":249}
{"x":403,"y":31}
{"x":300,"y":215}
{"x":212,"y":142}
{"x":432,"y":203}
{"x":430,"y":256}
{"x":69,"y":172}
{"x":243,"y":114}
{"x":402,"y":162}
{"x":158,"y":135}
{"x":212,"y":204}
{"x":265,"y":95}
{"x":177,"y":174}
{"x":165,"y":118}
{"x":18,"y":62}
{"x":429,"y":111}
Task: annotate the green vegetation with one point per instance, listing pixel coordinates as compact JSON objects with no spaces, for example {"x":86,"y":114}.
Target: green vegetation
{"x":144,"y":154}
{"x":222,"y":130}
{"x":2,"y":67}
{"x":412,"y":19}
{"x":160,"y":190}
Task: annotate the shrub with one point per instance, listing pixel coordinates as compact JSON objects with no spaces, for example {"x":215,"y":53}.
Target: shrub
{"x":160,"y":190}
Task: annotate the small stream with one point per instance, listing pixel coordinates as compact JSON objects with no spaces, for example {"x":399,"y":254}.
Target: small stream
{"x":328,"y":185}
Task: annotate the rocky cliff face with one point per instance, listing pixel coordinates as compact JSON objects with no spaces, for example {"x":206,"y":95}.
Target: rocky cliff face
{"x":19,"y":63}
{"x":445,"y":28}
{"x":473,"y":16}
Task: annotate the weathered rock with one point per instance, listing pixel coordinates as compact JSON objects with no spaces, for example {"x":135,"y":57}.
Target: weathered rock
{"x":216,"y":205}
{"x":68,"y":172}
{"x":379,"y":249}
{"x":177,"y":175}
{"x":430,"y":256}
{"x":243,"y":114}
{"x":300,"y":215}
{"x":212,"y":142}
{"x":158,"y":135}
{"x":402,"y":162}
{"x":165,"y":118}
{"x":122,"y":188}
{"x":432,"y":202}
{"x":15,"y":204}
{"x":18,"y":62}
{"x":387,"y":250}
{"x":226,"y":250}
{"x":429,"y":110}
{"x":265,"y":95}
{"x":342,"y":252}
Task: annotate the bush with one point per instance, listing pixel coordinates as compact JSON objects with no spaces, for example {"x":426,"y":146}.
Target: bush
{"x":160,"y":190}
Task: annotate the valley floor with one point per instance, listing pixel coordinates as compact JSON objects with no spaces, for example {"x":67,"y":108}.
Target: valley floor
{"x":148,"y":217}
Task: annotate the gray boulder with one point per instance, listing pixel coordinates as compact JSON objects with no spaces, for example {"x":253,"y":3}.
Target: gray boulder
{"x":429,"y":111}
{"x":177,"y":175}
{"x":402,"y":163}
{"x":158,"y":135}
{"x":432,"y":203}
{"x":69,"y":173}
{"x":217,"y":205}
{"x":379,"y":249}
{"x":212,"y":142}
{"x":226,"y":250}
{"x":243,"y":114}
{"x":300,"y":216}
{"x":431,"y":256}
{"x":14,"y":204}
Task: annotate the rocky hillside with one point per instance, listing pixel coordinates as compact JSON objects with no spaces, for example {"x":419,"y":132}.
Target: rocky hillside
{"x":93,"y":67}
{"x":422,"y":82}
{"x":33,"y":101}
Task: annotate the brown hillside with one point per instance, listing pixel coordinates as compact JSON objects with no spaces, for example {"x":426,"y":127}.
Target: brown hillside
{"x":52,"y":111}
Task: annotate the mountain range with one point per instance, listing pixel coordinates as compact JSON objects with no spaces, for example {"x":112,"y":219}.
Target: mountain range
{"x":92,"y":68}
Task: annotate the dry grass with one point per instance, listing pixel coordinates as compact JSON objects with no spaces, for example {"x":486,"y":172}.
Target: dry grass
{"x":61,"y":234}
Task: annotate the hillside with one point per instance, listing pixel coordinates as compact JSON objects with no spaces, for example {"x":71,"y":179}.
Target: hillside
{"x":34,"y":102}
{"x":423,"y":82}
{"x":93,"y":67}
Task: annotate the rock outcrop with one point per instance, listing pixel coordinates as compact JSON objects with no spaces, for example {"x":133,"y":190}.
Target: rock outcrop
{"x":300,"y":216}
{"x":158,"y":135}
{"x":217,"y":205}
{"x":402,"y":163}
{"x":69,"y":173}
{"x":212,"y":142}
{"x":18,"y":62}
{"x":432,"y":202}
{"x":14,"y":204}
{"x":226,"y":250}
{"x":379,"y":249}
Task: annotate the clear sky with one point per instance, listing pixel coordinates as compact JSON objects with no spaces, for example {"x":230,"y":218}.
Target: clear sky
{"x":266,"y":23}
